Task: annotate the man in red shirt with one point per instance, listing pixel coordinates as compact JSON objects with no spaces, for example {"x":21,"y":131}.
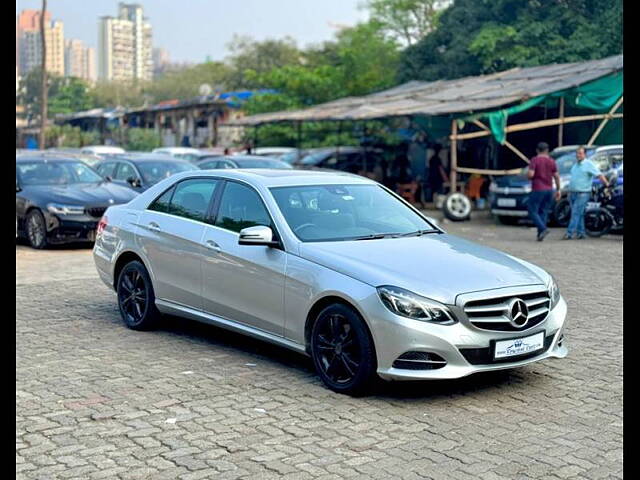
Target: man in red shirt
{"x":542,"y":172}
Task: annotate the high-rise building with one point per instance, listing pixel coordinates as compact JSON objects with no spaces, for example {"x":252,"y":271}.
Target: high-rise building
{"x":29,"y":43}
{"x":79,"y":60}
{"x":124,"y":45}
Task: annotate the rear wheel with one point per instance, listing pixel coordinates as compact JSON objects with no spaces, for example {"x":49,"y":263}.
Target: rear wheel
{"x":36,"y":229}
{"x":136,"y":299}
{"x":342,"y":350}
{"x":597,"y":222}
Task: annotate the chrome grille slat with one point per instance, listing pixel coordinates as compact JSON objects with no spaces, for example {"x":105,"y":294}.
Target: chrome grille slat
{"x":492,"y":313}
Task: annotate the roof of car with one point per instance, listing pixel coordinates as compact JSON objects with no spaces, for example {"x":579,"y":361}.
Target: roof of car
{"x":609,"y":147}
{"x":146,"y":157}
{"x":281,"y":178}
{"x":47,"y":157}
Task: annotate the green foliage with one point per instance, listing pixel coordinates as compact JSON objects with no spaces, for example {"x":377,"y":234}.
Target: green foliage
{"x":68,"y":136}
{"x":185,"y":83}
{"x":485,"y":36}
{"x":141,"y":139}
{"x":65,"y":94}
{"x":113,"y":94}
{"x":407,"y":20}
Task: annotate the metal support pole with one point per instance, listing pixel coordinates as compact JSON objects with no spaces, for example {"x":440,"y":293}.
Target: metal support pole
{"x":364,"y":148}
{"x":561,"y":126}
{"x":298,"y":139}
{"x":454,"y":155}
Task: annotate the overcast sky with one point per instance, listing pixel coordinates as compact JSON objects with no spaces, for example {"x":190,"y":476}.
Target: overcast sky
{"x":192,"y":29}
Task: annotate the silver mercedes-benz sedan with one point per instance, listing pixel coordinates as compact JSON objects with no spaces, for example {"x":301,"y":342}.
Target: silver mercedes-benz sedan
{"x":332,"y":265}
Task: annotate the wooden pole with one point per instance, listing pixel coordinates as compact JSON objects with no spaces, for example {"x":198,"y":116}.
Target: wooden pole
{"x":541,"y":123}
{"x":454,"y":155}
{"x":506,"y":144}
{"x":44,"y":93}
{"x":604,"y":122}
{"x":561,"y":126}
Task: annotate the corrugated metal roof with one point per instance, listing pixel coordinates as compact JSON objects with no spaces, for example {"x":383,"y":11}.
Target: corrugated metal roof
{"x":445,"y":97}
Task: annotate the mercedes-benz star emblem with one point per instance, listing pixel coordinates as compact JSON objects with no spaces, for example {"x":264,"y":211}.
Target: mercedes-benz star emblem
{"x":518,"y":313}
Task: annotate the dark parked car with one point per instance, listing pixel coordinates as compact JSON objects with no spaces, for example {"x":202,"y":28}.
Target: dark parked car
{"x":346,"y":159}
{"x":141,"y":171}
{"x":509,"y":194}
{"x":241,"y":161}
{"x":61,"y":200}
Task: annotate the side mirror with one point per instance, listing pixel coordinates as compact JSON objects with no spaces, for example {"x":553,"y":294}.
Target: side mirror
{"x":258,"y":235}
{"x":133,"y":181}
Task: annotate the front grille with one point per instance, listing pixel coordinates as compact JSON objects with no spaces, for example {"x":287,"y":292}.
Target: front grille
{"x":493,"y":313}
{"x":419,"y":361}
{"x":96,"y":212}
{"x":484,"y":356}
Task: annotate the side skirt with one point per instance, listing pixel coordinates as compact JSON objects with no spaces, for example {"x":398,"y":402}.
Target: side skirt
{"x":193,"y":314}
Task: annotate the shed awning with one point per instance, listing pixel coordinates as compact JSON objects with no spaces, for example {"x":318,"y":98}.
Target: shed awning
{"x":455,"y":98}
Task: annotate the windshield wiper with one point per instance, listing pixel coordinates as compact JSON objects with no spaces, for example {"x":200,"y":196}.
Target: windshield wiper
{"x":376,"y":236}
{"x":418,"y":233}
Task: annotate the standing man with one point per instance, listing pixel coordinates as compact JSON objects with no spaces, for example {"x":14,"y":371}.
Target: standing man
{"x":582,"y":174}
{"x":542,"y":172}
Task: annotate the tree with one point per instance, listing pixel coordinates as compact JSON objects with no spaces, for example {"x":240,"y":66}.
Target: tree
{"x":407,"y":20}
{"x":66,"y":95}
{"x":185,"y":83}
{"x":484,"y":36}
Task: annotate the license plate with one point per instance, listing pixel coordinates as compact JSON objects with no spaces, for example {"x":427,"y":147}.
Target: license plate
{"x":518,"y":346}
{"x":591,"y":205}
{"x":506,"y":202}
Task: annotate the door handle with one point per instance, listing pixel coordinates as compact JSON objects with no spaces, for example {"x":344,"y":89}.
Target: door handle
{"x":154,"y":226}
{"x":211,"y":245}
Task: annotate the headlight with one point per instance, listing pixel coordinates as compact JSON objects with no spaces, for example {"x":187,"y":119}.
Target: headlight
{"x":554,"y":293}
{"x":407,"y":304}
{"x":527,"y":188}
{"x":65,"y":209}
{"x":493,"y":187}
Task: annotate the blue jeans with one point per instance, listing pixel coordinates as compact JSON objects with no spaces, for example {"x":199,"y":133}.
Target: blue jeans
{"x":578,"y":201}
{"x":538,"y":203}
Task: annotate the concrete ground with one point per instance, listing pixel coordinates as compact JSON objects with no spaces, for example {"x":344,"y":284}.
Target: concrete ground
{"x":96,"y":400}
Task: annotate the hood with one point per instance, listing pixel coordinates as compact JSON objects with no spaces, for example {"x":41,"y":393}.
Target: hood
{"x":437,"y":266}
{"x":84,"y":193}
{"x":512,"y":181}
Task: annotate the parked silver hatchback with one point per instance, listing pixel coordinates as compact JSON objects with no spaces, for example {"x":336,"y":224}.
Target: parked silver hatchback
{"x":329,"y":264}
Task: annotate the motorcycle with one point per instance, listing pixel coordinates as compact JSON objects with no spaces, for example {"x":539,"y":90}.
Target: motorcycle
{"x":605,"y":210}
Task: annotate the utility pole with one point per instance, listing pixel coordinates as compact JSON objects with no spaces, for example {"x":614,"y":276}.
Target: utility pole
{"x":44,"y":92}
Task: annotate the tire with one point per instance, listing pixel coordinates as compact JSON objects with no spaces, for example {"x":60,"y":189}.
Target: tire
{"x":457,"y":207}
{"x":342,"y":350}
{"x":597,"y":222}
{"x":561,"y":213}
{"x":507,"y":220}
{"x":136,"y":299}
{"x":36,"y":229}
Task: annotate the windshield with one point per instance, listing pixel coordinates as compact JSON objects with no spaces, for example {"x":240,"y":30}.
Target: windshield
{"x":56,"y":173}
{"x":153,"y":172}
{"x":566,"y":161}
{"x":289,"y":157}
{"x":314,"y":158}
{"x":266,"y":163}
{"x":345,"y":212}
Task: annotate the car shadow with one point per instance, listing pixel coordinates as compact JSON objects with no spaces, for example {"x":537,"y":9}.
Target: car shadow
{"x":417,"y":390}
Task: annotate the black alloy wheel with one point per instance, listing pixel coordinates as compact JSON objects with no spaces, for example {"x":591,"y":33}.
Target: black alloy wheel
{"x":597,"y":223}
{"x":136,"y":299}
{"x":562,"y":212}
{"x":342,"y":350}
{"x":36,"y":229}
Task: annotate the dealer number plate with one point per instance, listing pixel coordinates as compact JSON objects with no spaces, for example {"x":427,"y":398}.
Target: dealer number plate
{"x":506,"y":202}
{"x":519,"y":346}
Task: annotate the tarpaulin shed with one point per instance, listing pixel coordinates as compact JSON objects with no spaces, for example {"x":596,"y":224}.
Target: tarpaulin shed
{"x":594,"y":85}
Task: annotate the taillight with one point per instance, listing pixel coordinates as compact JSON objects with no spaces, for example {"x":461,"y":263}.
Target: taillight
{"x":102,"y":224}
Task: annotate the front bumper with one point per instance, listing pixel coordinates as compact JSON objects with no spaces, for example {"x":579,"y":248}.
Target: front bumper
{"x":71,"y":228}
{"x":395,"y":335}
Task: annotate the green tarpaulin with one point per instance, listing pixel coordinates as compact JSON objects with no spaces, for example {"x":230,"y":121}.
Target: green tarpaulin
{"x":600,"y":95}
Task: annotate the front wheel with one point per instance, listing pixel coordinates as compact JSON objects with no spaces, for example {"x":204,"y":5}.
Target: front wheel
{"x":562,"y":213}
{"x":36,"y":229}
{"x":597,"y":222}
{"x":136,"y":299}
{"x":342,"y":350}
